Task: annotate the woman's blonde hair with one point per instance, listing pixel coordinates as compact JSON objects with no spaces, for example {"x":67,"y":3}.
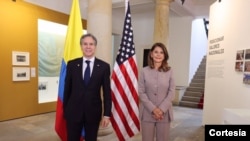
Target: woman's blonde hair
{"x":164,"y":65}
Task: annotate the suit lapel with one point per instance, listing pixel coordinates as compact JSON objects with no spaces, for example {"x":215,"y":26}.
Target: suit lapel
{"x":96,"y":67}
{"x":79,"y":67}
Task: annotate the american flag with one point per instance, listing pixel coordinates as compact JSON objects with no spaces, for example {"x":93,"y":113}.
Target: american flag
{"x":124,"y":86}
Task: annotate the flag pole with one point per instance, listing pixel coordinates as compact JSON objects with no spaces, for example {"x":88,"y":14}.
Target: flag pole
{"x":126,"y":6}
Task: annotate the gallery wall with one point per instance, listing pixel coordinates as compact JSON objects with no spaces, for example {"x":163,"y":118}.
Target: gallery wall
{"x":180,"y":45}
{"x":225,"y":85}
{"x":19,"y":32}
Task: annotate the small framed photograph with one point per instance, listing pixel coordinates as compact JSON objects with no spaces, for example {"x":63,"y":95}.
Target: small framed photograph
{"x":247,"y":66}
{"x":240,"y":55}
{"x":239,"y":66}
{"x":20,"y":73}
{"x":246,"y":79}
{"x":20,"y":58}
{"x":247,"y":55}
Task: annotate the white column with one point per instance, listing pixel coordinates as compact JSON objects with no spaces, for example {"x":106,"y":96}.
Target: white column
{"x":161,"y":22}
{"x":99,"y":23}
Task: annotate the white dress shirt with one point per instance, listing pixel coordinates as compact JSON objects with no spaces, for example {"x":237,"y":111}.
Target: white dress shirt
{"x":84,"y":65}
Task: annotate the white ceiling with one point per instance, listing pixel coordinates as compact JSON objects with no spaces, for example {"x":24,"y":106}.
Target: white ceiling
{"x":195,"y":8}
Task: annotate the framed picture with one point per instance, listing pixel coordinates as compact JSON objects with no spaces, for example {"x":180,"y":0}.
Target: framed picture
{"x":20,"y":73}
{"x":247,"y":66}
{"x":246,"y":79}
{"x":240,"y":55}
{"x":20,"y":58}
{"x":247,"y":54}
{"x":239,"y":66}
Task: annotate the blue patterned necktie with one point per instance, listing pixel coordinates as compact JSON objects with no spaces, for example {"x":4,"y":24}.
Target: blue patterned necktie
{"x":87,"y":73}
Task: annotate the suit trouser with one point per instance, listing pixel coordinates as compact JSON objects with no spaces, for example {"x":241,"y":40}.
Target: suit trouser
{"x":74,"y":131}
{"x":150,"y":130}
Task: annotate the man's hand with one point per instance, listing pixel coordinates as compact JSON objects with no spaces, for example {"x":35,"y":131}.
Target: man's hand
{"x":105,"y":122}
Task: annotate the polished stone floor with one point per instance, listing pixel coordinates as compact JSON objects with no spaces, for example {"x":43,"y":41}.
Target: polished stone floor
{"x":187,"y":126}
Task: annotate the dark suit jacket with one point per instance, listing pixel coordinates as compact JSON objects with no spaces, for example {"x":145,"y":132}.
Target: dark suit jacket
{"x":81,"y":101}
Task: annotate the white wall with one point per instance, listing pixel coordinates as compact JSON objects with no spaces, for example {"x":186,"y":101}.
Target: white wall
{"x":179,"y":48}
{"x":199,"y":43}
{"x":224,"y":87}
{"x":143,"y":34}
{"x":188,"y":42}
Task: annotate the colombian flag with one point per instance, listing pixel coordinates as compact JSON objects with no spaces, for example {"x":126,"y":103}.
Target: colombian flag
{"x":71,"y":50}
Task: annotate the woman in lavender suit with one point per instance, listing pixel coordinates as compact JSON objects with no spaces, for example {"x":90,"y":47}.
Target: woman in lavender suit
{"x":156,"y":92}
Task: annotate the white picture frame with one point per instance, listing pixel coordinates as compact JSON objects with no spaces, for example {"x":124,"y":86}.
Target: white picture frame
{"x":20,"y":58}
{"x":20,"y":73}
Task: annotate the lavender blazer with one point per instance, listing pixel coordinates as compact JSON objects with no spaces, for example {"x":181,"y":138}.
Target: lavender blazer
{"x":156,"y":89}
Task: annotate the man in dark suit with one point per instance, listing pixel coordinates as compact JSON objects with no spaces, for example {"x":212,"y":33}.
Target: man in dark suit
{"x":82,"y":100}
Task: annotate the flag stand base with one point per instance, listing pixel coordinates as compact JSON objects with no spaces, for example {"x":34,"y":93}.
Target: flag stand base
{"x":104,"y":131}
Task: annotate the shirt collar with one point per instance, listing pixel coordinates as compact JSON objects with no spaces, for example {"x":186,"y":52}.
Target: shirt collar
{"x":91,"y":59}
